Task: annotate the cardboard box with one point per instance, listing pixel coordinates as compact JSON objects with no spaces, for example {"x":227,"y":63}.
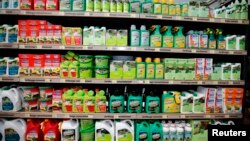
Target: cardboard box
{"x":199,"y":69}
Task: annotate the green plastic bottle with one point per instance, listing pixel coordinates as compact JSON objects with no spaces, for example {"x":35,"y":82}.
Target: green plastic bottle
{"x":100,"y":102}
{"x":68,"y":98}
{"x":211,"y":40}
{"x":78,"y":101}
{"x":116,"y":102}
{"x":179,"y":38}
{"x":221,"y":42}
{"x":155,"y":129}
{"x":152,"y":103}
{"x":142,"y":131}
{"x":89,"y":102}
{"x":134,"y":36}
{"x":134,"y":102}
{"x":156,"y":37}
{"x":168,"y":38}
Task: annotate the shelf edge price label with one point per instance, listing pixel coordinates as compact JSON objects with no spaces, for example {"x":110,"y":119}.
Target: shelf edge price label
{"x":183,"y":116}
{"x":147,"y":82}
{"x":116,"y":116}
{"x":91,"y":116}
{"x":207,"y":116}
{"x":164,"y":116}
{"x":227,"y":116}
{"x":114,"y":81}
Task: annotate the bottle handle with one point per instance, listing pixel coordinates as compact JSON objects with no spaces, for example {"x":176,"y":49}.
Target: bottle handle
{"x":23,"y":123}
{"x":130,"y":123}
{"x":109,"y":122}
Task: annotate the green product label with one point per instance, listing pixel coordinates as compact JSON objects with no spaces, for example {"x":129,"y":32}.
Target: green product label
{"x":199,"y":105}
{"x":226,"y":73}
{"x":216,"y":75}
{"x":90,"y":5}
{"x":147,"y":8}
{"x":168,"y":41}
{"x":113,"y":6}
{"x":212,"y":44}
{"x":184,"y":10}
{"x":119,"y":6}
{"x":97,"y":5}
{"x":116,"y":70}
{"x":100,"y":37}
{"x":170,"y":69}
{"x":190,"y":70}
{"x":105,"y":6}
{"x":134,"y":106}
{"x":222,"y":45}
{"x":180,"y":42}
{"x":172,"y":10}
{"x":85,"y":73}
{"x":165,"y":9}
{"x":187,"y":105}
{"x":103,"y":135}
{"x":117,"y":106}
{"x":101,"y":73}
{"x":122,"y":38}
{"x":124,"y":135}
{"x":140,"y":71}
{"x":88,"y":37}
{"x":125,"y":7}
{"x":232,"y":44}
{"x":155,"y":41}
{"x":129,"y":69}
{"x":101,"y":62}
{"x":157,"y":8}
{"x":236,"y":73}
{"x":65,"y":5}
{"x":242,"y":44}
{"x":68,"y":134}
{"x":159,"y":71}
{"x":150,"y":71}
{"x":177,"y":10}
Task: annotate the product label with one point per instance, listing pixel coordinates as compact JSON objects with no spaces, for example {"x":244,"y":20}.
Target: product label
{"x":203,"y":41}
{"x":147,"y":8}
{"x":212,"y":44}
{"x":210,"y":106}
{"x":188,"y":136}
{"x":156,"y":136}
{"x":242,"y":44}
{"x":113,"y":6}
{"x":39,"y":4}
{"x":157,"y":8}
{"x":145,"y":39}
{"x":184,"y":10}
{"x":232,"y":44}
{"x":180,"y":42}
{"x":218,"y":106}
{"x":116,"y":106}
{"x":140,"y":72}
{"x":50,"y":136}
{"x":134,"y":106}
{"x":155,"y":41}
{"x":68,"y":105}
{"x":78,"y":105}
{"x":222,"y":45}
{"x":97,"y":5}
{"x":165,"y":9}
{"x":65,"y":5}
{"x":199,"y":104}
{"x":89,"y":5}
{"x":173,"y":136}
{"x":143,"y":136}
{"x":124,"y":135}
{"x":32,"y":136}
{"x":187,"y":105}
{"x":105,"y":5}
{"x":68,"y":134}
{"x":180,"y":136}
{"x":150,"y":71}
{"x":119,"y":6}
{"x":101,"y":105}
{"x":89,"y":105}
{"x":159,"y":70}
{"x":172,"y":10}
{"x":153,"y":106}
{"x":135,"y":40}
{"x":166,"y":136}
{"x":25,"y":4}
{"x":226,"y":73}
{"x":7,"y":104}
{"x":11,"y":135}
{"x":103,"y":135}
{"x":168,"y":41}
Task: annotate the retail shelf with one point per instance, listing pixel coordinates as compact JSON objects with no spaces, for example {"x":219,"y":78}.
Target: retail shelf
{"x":132,"y":49}
{"x":120,"y":81}
{"x":121,"y":15}
{"x":8,"y":45}
{"x":116,"y":115}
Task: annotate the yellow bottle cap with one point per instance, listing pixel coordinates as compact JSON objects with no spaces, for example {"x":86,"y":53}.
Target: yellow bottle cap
{"x":138,"y":59}
{"x":148,"y":60}
{"x":157,"y":60}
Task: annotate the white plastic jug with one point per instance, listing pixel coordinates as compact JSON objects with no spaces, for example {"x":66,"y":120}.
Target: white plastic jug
{"x":105,"y":130}
{"x":15,"y":130}
{"x":10,"y":100}
{"x":2,"y":121}
{"x":70,"y":130}
{"x":124,"y":130}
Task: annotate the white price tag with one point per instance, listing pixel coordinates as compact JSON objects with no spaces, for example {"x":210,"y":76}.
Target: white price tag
{"x":82,"y":80}
{"x":227,"y":116}
{"x":27,"y":115}
{"x":147,"y":81}
{"x":199,"y":82}
{"x":21,"y":46}
{"x":183,"y":116}
{"x":133,"y":48}
{"x":106,"y":14}
{"x":116,"y":116}
{"x":164,"y":116}
{"x":140,"y":81}
{"x":212,"y":51}
{"x":211,"y":20}
{"x":208,"y":116}
{"x":114,"y":81}
{"x":231,"y":83}
{"x":22,"y":79}
{"x":171,"y":82}
{"x":47,"y":80}
{"x":222,"y":20}
{"x":1,"y":79}
{"x":62,"y":80}
{"x":194,"y":18}
{"x":178,"y":17}
{"x":157,"y":49}
{"x":54,"y":115}
{"x":62,"y":47}
{"x":193,"y":51}
{"x":133,"y":15}
{"x":90,"y":116}
{"x":87,"y":14}
{"x":159,"y":16}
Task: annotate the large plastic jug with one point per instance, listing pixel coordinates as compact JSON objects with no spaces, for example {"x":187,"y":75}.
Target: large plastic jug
{"x":2,"y":121}
{"x":105,"y":130}
{"x":142,"y":131}
{"x":15,"y":130}
{"x":33,"y":131}
{"x":124,"y":130}
{"x":50,"y":130}
{"x":155,"y":132}
{"x":10,"y":100}
{"x":70,"y":130}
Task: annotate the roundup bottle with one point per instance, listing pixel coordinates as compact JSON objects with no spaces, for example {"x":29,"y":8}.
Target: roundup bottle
{"x":89,"y":102}
{"x":134,"y":102}
{"x":68,"y":98}
{"x":167,"y":37}
{"x":78,"y":101}
{"x":104,"y":130}
{"x":124,"y":130}
{"x":152,"y":103}
{"x":221,"y":43}
{"x":155,"y":132}
{"x":70,"y":130}
{"x":116,"y":102}
{"x":100,"y":102}
{"x":14,"y":130}
{"x":156,"y":37}
{"x":144,"y":34}
{"x":134,"y":36}
{"x":142,"y":131}
{"x":179,"y":38}
{"x":50,"y":130}
{"x":211,"y":40}
{"x":33,"y":131}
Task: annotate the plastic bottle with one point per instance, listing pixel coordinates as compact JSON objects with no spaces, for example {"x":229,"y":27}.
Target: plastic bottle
{"x":221,"y":43}
{"x":116,"y":102}
{"x":156,"y":37}
{"x":134,"y":36}
{"x":144,"y":34}
{"x":10,"y":100}
{"x":237,"y":7}
{"x":240,"y":42}
{"x":155,"y":131}
{"x":179,"y":39}
{"x":15,"y":130}
{"x":231,"y":42}
{"x":166,"y":131}
{"x":134,"y":102}
{"x":2,"y":135}
{"x":70,"y":130}
{"x":89,"y":102}
{"x":168,"y":38}
{"x":211,"y":40}
{"x":172,"y":132}
{"x":142,"y":131}
{"x":124,"y":130}
{"x":180,"y":132}
{"x":33,"y":131}
{"x":104,"y":130}
{"x":152,"y":103}
{"x":188,"y":132}
{"x":100,"y":102}
{"x":244,"y":10}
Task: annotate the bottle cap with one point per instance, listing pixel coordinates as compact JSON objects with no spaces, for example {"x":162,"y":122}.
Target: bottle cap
{"x":148,"y":60}
{"x":157,"y":60}
{"x":138,"y":59}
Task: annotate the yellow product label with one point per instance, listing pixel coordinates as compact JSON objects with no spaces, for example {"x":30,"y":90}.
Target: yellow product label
{"x":172,"y":9}
{"x":170,"y":106}
{"x":150,"y":71}
{"x":157,"y":8}
{"x":159,"y":71}
{"x":168,"y":41}
{"x":212,"y":44}
{"x":155,"y":41}
{"x":222,"y":45}
{"x":165,"y":9}
{"x":177,"y":10}
{"x":163,"y":1}
{"x":155,"y":1}
{"x":180,"y":42}
{"x":140,"y":72}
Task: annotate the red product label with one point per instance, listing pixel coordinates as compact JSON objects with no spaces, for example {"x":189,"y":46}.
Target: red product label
{"x":39,"y":5}
{"x":26,"y":4}
{"x":22,"y":22}
{"x":52,"y":5}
